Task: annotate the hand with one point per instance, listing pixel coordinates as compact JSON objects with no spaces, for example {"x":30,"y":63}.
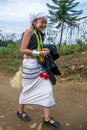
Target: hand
{"x":44,"y":52}
{"x":47,"y":50}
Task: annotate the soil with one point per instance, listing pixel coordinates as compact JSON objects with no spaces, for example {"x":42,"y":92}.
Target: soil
{"x":70,"y":109}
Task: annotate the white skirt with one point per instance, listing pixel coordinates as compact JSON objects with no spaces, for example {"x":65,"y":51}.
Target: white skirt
{"x":36,"y":90}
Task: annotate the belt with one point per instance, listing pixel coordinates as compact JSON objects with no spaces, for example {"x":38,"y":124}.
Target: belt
{"x":29,"y":57}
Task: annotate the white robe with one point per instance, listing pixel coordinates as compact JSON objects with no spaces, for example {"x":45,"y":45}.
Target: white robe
{"x":36,"y":90}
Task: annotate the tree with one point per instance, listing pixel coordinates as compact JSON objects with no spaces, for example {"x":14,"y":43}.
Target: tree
{"x":63,"y":12}
{"x":51,"y":35}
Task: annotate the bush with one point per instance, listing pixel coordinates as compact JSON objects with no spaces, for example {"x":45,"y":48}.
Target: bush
{"x":12,"y":50}
{"x":74,"y":48}
{"x":84,"y":73}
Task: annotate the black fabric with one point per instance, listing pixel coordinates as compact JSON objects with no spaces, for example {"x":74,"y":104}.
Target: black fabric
{"x":52,"y":69}
{"x":53,"y":51}
{"x":33,"y":41}
{"x":50,"y":65}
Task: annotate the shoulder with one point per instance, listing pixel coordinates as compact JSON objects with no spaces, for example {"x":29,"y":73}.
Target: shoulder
{"x":28,"y":32}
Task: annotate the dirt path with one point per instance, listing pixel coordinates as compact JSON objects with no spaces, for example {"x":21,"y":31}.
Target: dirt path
{"x":70,"y":109}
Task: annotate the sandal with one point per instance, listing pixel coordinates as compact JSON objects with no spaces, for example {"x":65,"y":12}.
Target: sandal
{"x":54,"y":124}
{"x":24,"y":118}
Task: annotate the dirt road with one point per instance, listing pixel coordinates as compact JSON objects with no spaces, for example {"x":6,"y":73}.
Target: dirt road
{"x":70,"y":109}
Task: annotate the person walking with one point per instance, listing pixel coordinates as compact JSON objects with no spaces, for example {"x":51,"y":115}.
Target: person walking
{"x":37,"y":87}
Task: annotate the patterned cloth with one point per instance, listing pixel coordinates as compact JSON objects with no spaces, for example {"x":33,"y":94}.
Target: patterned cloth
{"x":36,"y":90}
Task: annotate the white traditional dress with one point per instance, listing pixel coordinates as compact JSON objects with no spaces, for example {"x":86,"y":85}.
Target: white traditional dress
{"x":36,"y":90}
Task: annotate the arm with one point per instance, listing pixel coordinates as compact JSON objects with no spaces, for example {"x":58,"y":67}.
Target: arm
{"x":25,"y":42}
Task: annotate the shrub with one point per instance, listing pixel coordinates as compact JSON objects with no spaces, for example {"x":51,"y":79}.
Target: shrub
{"x":12,"y":50}
{"x":73,"y":48}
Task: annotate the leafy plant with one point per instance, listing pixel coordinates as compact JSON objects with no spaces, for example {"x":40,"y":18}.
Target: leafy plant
{"x":62,"y":13}
{"x":84,"y":73}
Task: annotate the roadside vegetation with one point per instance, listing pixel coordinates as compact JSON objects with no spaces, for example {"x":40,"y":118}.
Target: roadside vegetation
{"x":10,"y":58}
{"x":72,"y":60}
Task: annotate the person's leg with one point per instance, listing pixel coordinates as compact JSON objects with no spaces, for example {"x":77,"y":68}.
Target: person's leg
{"x":21,"y":108}
{"x":46,"y":113}
{"x":21,"y":114}
{"x":48,"y":119}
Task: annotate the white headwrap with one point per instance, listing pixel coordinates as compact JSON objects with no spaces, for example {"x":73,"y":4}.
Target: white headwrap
{"x":35,"y":15}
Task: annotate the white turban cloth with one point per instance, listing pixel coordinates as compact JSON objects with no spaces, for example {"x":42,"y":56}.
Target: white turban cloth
{"x":35,"y":15}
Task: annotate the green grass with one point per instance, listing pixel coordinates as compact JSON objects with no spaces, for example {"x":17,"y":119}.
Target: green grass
{"x":74,"y":48}
{"x":10,"y":69}
{"x":84,"y":73}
